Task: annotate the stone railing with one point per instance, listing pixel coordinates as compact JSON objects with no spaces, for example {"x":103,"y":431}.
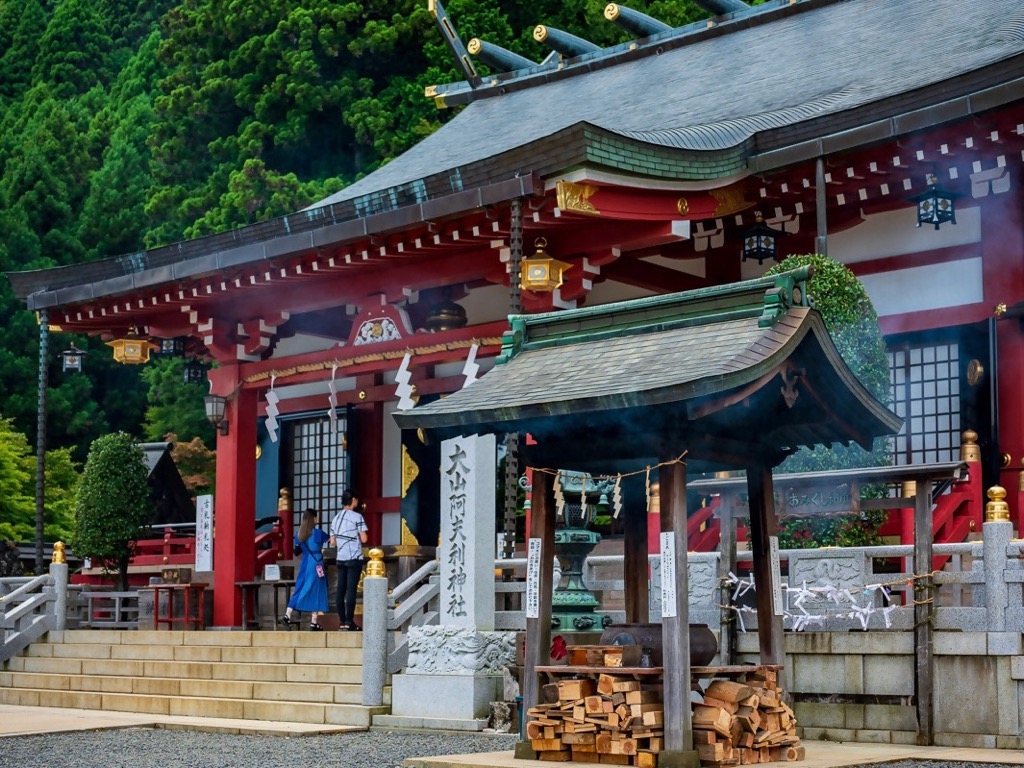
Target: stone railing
{"x":30,"y":607}
{"x":413,"y":603}
{"x":876,"y":648}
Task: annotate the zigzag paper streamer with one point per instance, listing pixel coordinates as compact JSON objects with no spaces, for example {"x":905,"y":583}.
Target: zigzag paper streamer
{"x":617,"y":497}
{"x":471,"y":368}
{"x":272,"y":401}
{"x":332,"y":412}
{"x":559,"y":496}
{"x":404,"y":389}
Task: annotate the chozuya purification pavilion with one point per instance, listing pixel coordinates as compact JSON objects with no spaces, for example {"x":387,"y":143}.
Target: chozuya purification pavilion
{"x":671,"y":162}
{"x":732,"y":377}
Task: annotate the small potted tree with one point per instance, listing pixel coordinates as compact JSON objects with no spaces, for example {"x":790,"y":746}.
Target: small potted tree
{"x":113,"y":501}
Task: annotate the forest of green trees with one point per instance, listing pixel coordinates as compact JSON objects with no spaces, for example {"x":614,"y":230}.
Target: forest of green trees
{"x":130,"y":124}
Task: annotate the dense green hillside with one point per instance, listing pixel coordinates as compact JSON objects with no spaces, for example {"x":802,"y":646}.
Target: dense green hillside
{"x":128,"y":124}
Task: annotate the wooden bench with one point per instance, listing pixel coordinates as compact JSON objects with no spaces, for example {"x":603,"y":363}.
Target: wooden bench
{"x":110,"y":610}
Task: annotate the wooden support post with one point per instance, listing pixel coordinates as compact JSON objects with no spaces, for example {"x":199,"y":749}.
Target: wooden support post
{"x":924,"y":594}
{"x":636,"y":571}
{"x":727,"y":564}
{"x":538,"y":629}
{"x":763,"y":525}
{"x":675,"y":628}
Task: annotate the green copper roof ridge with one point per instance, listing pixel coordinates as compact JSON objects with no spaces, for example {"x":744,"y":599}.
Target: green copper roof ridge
{"x":697,"y":294}
{"x":774,"y":294}
{"x":635,"y":328}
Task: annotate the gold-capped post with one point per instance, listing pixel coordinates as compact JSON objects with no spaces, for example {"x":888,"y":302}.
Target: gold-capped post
{"x":375,"y":567}
{"x":969,"y":448}
{"x":58,"y":552}
{"x":997,"y":510}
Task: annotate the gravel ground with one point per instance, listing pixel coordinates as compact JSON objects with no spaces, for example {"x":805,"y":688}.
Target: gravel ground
{"x":150,"y":748}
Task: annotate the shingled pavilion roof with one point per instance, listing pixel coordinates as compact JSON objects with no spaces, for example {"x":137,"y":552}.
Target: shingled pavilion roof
{"x":730,"y":373}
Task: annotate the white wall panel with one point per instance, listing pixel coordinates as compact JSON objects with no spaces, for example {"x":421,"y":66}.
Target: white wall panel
{"x":934,"y":286}
{"x":895,"y":233}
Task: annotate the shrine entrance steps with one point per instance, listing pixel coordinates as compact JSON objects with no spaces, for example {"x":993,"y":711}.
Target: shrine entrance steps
{"x":301,"y":677}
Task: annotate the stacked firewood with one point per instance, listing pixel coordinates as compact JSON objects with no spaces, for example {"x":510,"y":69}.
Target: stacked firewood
{"x":611,"y":719}
{"x":745,"y":722}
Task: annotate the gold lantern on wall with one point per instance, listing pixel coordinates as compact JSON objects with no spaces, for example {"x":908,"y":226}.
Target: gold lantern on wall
{"x":542,"y":272}
{"x":132,"y":349}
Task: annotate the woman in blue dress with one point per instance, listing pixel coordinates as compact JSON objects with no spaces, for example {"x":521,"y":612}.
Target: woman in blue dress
{"x":310,"y":593}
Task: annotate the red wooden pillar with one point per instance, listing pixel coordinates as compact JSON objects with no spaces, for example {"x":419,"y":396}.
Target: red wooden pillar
{"x":1002,"y":226}
{"x":368,"y":480}
{"x":234,"y":521}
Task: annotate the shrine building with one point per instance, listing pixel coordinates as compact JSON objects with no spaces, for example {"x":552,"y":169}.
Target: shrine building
{"x":887,"y":135}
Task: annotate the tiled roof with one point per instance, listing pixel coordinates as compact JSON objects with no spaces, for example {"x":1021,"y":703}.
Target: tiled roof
{"x":713,"y":89}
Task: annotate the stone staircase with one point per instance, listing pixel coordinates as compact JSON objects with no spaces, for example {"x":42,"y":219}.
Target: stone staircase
{"x":301,"y":677}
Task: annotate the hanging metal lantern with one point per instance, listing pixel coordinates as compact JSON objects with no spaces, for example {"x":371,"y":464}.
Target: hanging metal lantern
{"x":216,"y":407}
{"x":132,"y":349}
{"x":194,"y":372}
{"x":73,"y":358}
{"x":173,"y":347}
{"x":542,"y":272}
{"x":935,"y":205}
{"x":759,"y":242}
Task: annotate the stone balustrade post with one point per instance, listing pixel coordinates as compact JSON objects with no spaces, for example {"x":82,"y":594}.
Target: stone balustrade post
{"x":59,"y":572}
{"x":375,"y":630}
{"x":997,"y":531}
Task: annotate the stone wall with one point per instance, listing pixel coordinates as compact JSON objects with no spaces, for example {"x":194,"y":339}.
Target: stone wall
{"x":859,"y":686}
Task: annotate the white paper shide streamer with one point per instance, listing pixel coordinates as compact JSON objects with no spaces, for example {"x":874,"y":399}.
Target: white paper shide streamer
{"x":471,"y":368}
{"x":272,"y":401}
{"x":404,"y":388}
{"x":332,"y":411}
{"x":845,"y":599}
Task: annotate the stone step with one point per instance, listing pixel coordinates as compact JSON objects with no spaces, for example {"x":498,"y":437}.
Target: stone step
{"x":196,"y":639}
{"x":307,"y":692}
{"x":243,"y":709}
{"x":313,"y":678}
{"x":282,"y":654}
{"x":268,"y":673}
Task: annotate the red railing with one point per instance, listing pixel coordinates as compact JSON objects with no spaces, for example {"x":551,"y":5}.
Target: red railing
{"x":956,"y":514}
{"x":177,"y":549}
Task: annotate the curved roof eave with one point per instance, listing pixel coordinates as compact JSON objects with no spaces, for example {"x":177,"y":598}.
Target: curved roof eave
{"x":508,"y":397}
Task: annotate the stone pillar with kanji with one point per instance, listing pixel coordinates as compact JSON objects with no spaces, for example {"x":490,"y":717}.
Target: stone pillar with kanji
{"x":454,"y":669}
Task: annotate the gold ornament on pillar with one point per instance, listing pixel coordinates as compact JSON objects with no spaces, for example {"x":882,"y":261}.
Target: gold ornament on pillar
{"x":969,"y":448}
{"x":376,"y":565}
{"x":997,"y":510}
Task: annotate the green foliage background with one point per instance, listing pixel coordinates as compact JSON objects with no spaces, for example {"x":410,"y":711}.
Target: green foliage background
{"x":130,"y":124}
{"x":112,"y":502}
{"x":853,"y":325}
{"x":17,"y":488}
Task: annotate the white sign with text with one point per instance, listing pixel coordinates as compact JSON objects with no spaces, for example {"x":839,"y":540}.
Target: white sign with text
{"x":204,"y":533}
{"x":668,"y":574}
{"x":533,"y":552}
